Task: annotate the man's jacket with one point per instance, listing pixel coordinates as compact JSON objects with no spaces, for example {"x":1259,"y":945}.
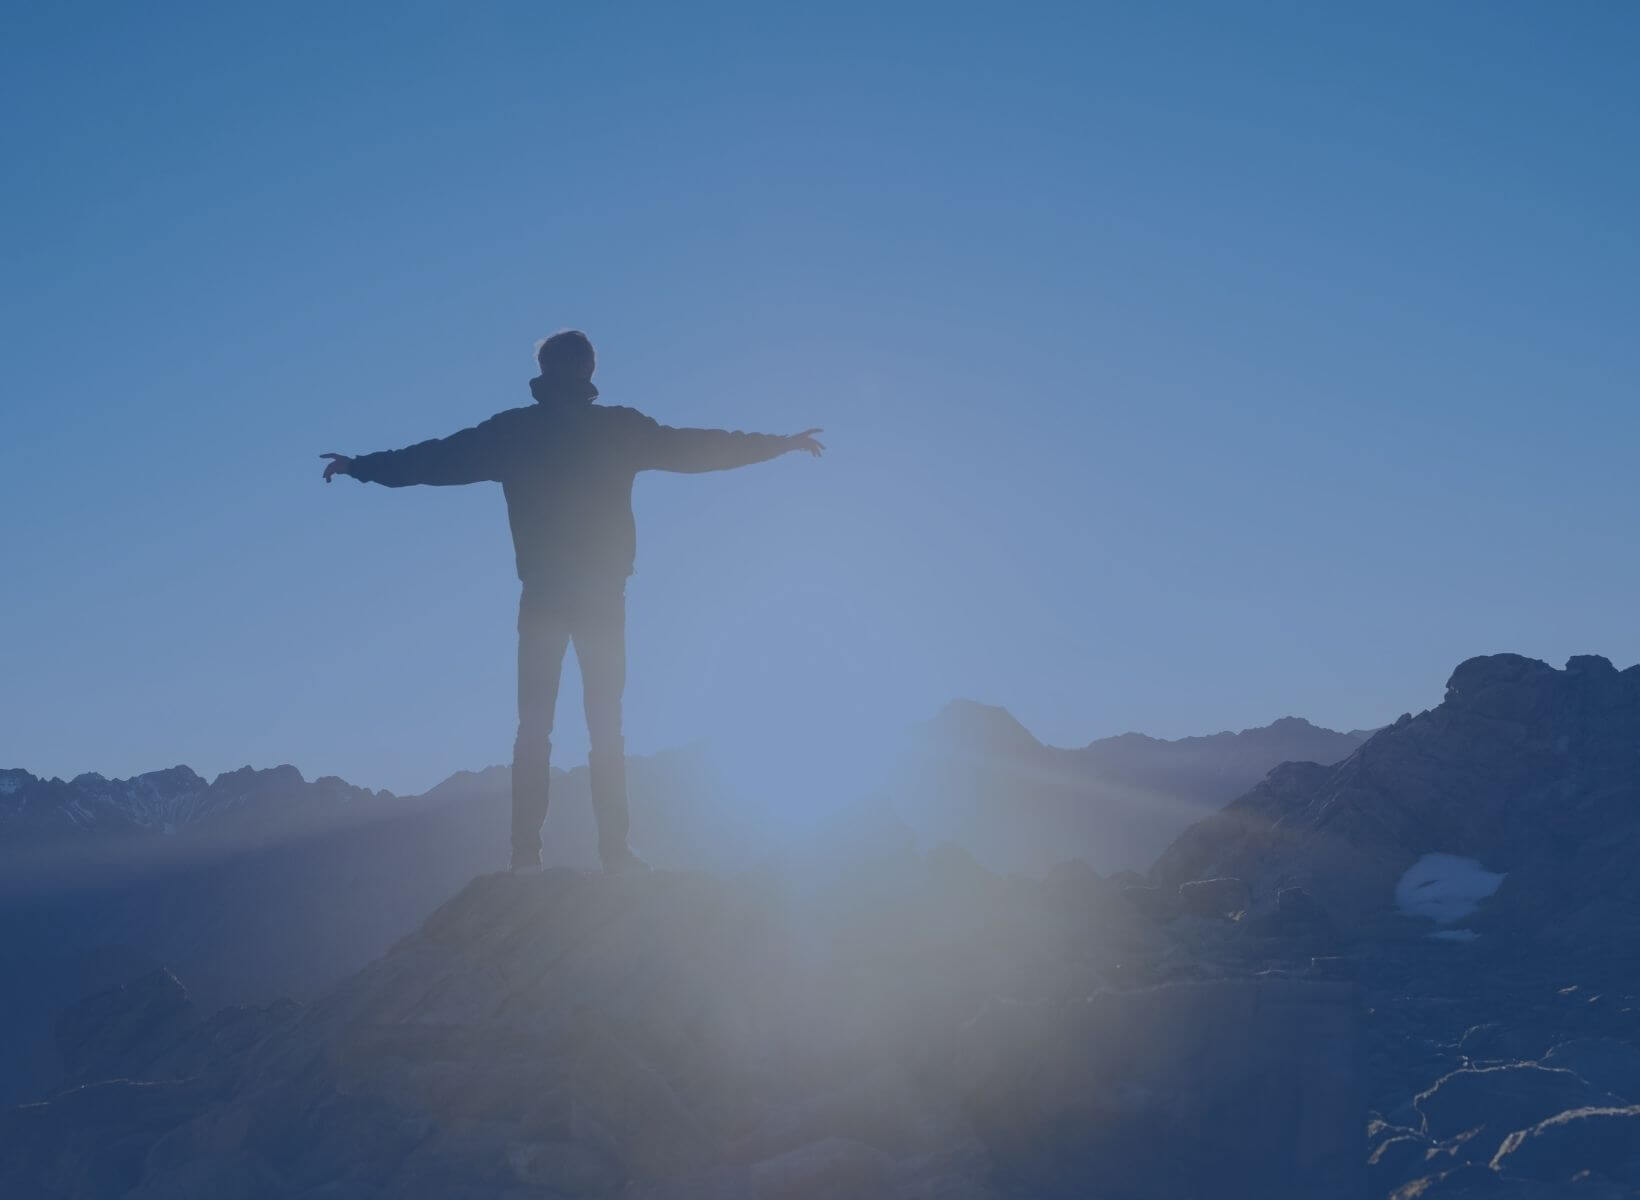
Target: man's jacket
{"x":567,"y":468}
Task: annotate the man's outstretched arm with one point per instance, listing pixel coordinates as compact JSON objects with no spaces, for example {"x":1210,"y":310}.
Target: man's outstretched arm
{"x":471,"y":456}
{"x":665,"y":448}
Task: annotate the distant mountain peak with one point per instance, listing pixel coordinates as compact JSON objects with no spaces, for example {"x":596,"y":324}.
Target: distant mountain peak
{"x":1299,"y":733}
{"x":975,"y":726}
{"x":156,"y":802}
{"x":284,"y":775}
{"x":1290,"y":724}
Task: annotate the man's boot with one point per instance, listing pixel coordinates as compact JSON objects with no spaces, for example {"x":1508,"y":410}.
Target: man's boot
{"x":531,"y":776}
{"x":607,"y":770}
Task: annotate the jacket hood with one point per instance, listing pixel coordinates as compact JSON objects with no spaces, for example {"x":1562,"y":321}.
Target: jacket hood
{"x":574,"y":391}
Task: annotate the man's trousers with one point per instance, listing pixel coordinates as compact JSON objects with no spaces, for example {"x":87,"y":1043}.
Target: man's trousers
{"x":593,"y":617}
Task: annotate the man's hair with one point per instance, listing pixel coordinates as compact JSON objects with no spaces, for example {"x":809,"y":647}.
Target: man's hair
{"x":569,"y":350}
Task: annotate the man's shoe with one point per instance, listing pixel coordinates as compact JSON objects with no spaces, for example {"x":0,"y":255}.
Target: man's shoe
{"x":624,"y":862}
{"x":526,"y":864}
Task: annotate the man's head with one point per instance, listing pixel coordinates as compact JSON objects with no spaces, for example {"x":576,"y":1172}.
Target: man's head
{"x":566,"y":355}
{"x":567,"y":362}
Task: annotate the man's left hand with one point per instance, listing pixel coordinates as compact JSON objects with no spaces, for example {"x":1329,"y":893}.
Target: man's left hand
{"x":805,"y":441}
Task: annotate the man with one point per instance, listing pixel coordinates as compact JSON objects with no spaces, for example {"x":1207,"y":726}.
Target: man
{"x":566,"y":466}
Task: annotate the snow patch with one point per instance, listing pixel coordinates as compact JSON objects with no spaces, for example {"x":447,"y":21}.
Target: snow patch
{"x":1445,"y":888}
{"x":1454,"y":935}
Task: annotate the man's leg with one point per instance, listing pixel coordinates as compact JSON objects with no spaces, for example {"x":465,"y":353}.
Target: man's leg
{"x":543,"y":634}
{"x":600,"y":648}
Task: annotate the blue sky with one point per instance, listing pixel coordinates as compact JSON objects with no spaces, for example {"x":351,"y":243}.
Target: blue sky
{"x":1183,"y":366}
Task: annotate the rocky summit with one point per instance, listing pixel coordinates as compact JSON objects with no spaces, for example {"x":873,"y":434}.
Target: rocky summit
{"x":1472,"y":869}
{"x":1528,"y":771}
{"x":913,"y":1027}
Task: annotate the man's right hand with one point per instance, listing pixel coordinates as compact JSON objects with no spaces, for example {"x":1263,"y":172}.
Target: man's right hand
{"x":339,"y":464}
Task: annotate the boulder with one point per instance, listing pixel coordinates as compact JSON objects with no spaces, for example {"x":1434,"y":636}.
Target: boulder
{"x":1602,"y":1140}
{"x":1483,"y":1105}
{"x":1395,"y":1160}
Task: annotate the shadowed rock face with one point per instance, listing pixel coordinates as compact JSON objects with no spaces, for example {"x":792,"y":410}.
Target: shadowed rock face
{"x":1534,"y":772}
{"x":1229,"y":1087}
{"x":1499,"y":1067}
{"x":96,"y":1036}
{"x":1604,"y":1139}
{"x":913,"y":1027}
{"x":1488,"y":1102}
{"x":247,"y":922}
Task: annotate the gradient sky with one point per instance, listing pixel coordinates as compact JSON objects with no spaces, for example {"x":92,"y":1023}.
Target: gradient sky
{"x":1182,"y":366}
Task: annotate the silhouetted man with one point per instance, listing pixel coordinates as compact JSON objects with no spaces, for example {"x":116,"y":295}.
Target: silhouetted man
{"x":566,"y":466}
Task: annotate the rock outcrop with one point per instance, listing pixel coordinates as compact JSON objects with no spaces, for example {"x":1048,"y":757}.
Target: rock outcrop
{"x":1531,"y":771}
{"x":1606,"y":1140}
{"x":1472,"y":869}
{"x":917,"y":1028}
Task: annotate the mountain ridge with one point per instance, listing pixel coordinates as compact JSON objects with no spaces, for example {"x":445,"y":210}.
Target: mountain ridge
{"x":170,"y":800}
{"x":161,"y":801}
{"x":1116,"y":802}
{"x":964,"y":715}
